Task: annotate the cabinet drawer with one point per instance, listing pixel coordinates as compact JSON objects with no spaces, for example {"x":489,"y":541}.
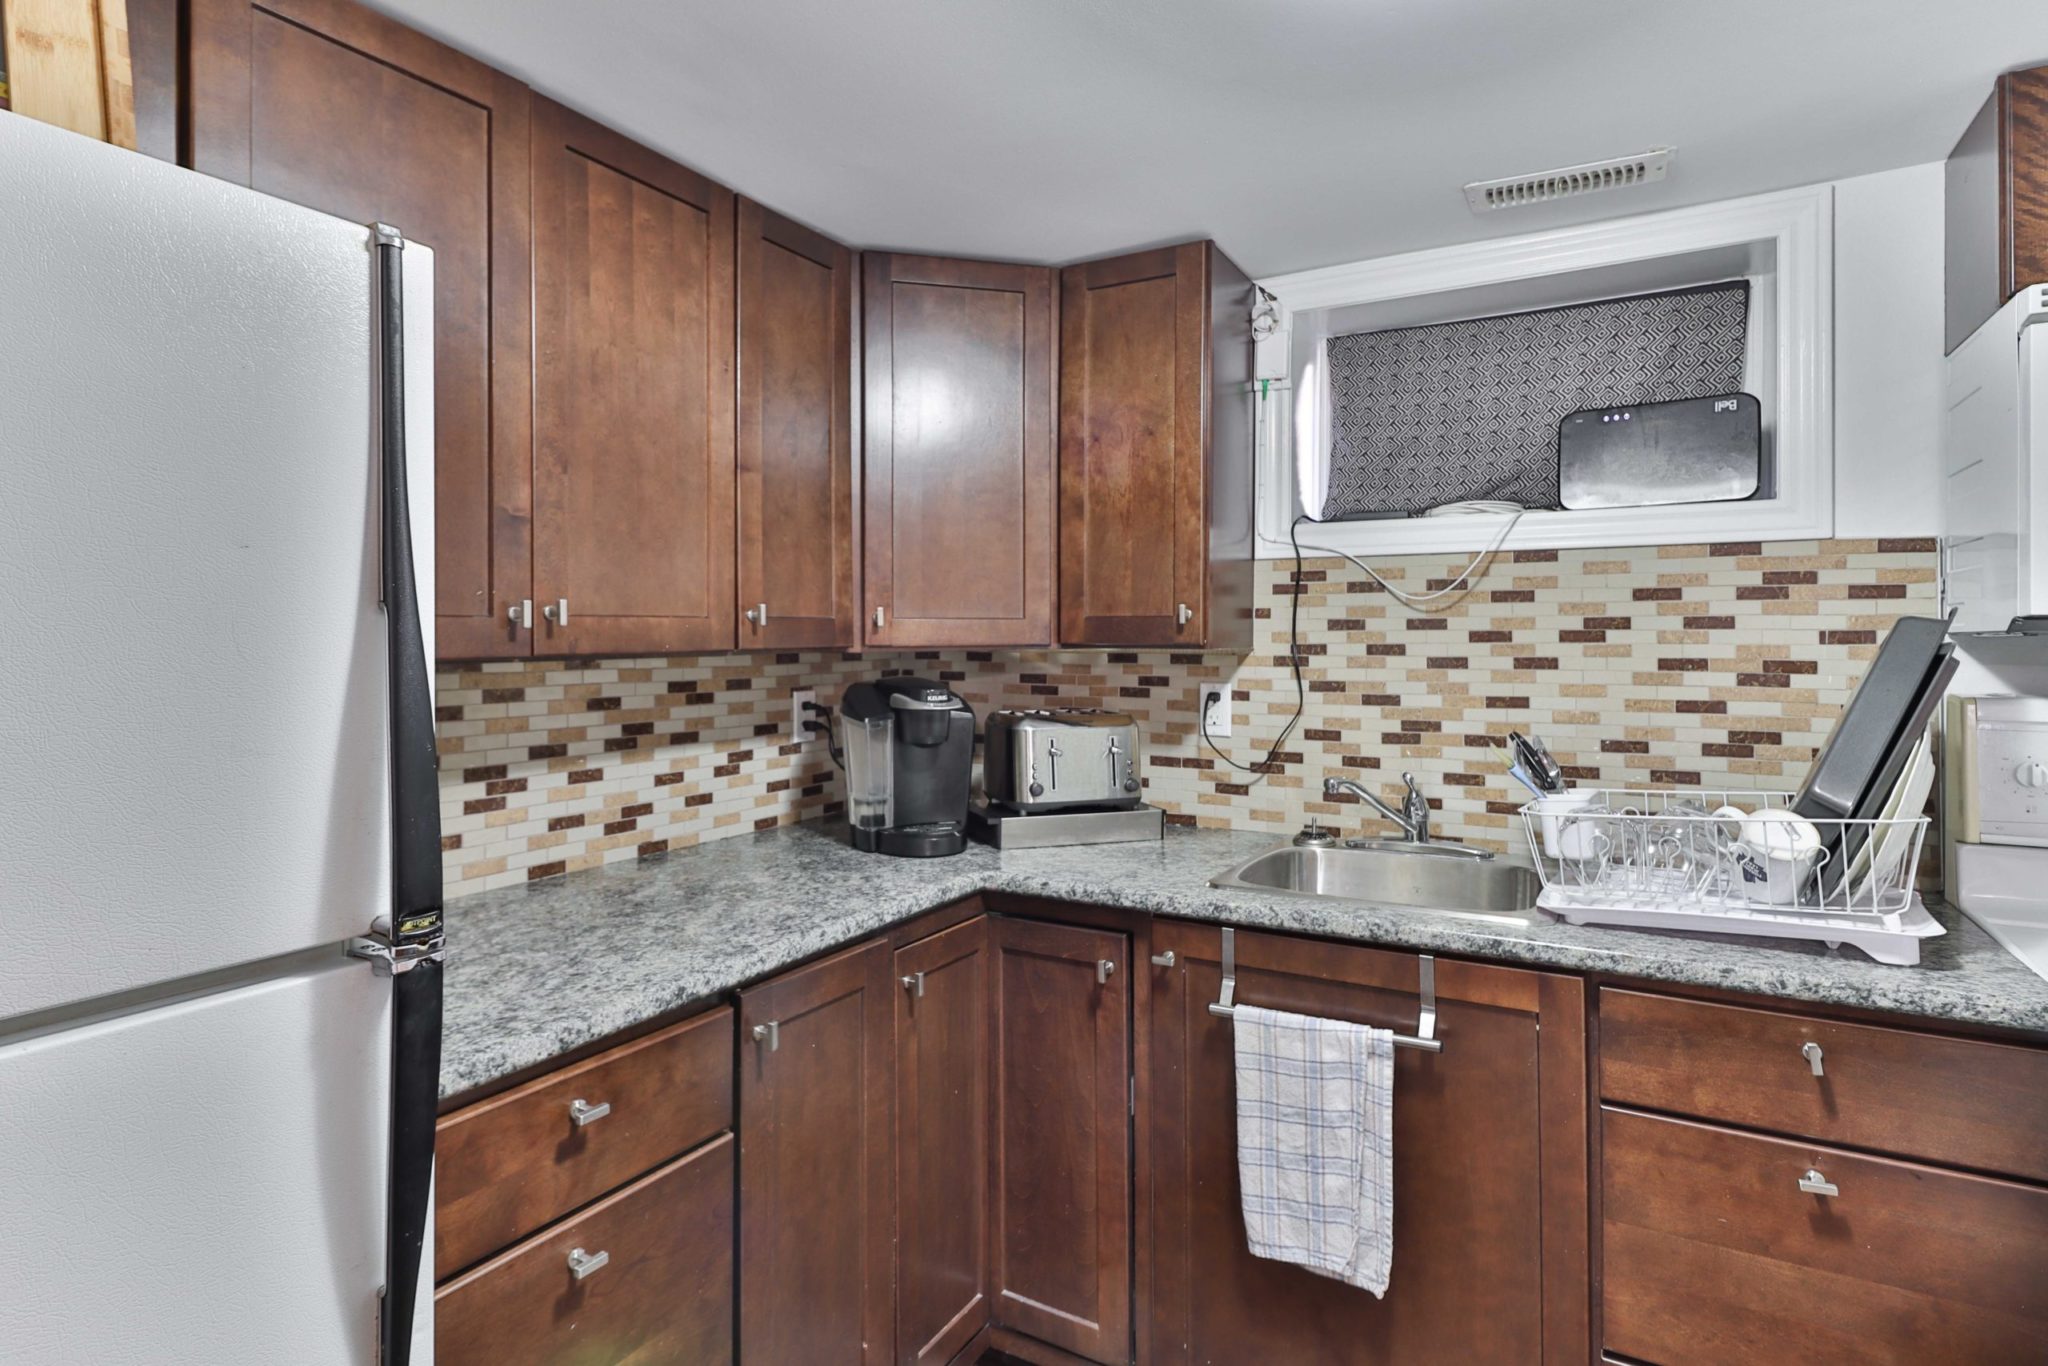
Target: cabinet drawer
{"x":1960,"y":1102}
{"x":511,"y":1164}
{"x":664,"y":1292}
{"x":1714,"y":1254}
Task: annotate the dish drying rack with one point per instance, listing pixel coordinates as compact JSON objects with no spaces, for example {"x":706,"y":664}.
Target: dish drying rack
{"x":1659,"y":859}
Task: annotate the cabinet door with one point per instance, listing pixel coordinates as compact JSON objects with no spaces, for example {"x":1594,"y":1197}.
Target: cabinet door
{"x":814,"y":1163}
{"x":1062,"y":1132}
{"x":958,"y":441}
{"x":796,"y":570}
{"x":942,"y":1151}
{"x":329,"y":105}
{"x":1155,"y":450}
{"x":1490,"y":1222}
{"x":633,"y":397}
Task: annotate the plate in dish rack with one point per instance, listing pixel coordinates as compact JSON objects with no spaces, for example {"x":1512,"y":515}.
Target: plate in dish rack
{"x":1892,"y":938}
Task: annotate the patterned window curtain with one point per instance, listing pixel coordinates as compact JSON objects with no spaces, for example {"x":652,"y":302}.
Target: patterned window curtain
{"x":1418,"y":417}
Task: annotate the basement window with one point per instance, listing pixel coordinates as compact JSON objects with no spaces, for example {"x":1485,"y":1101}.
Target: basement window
{"x":1440,"y":377}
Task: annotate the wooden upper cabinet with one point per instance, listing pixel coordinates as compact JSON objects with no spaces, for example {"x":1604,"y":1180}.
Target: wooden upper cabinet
{"x":1997,"y":203}
{"x":335,"y":107}
{"x":633,"y":396}
{"x":1156,"y":455}
{"x":958,"y":438}
{"x":797,"y":580}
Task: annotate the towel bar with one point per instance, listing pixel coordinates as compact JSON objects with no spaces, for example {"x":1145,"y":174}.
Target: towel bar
{"x":1423,"y":1038}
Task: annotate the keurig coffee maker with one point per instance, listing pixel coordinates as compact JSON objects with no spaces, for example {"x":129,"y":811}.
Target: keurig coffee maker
{"x":908,"y":748}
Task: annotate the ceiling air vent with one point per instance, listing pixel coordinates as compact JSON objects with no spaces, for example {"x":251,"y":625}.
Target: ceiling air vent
{"x":1568,"y":182}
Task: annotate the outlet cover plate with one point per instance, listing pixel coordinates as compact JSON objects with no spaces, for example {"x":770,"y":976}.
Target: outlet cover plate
{"x":1214,"y":709}
{"x":797,"y":716}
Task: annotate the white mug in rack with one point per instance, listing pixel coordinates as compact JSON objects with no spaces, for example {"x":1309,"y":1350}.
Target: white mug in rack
{"x":1562,"y":836}
{"x":1772,"y":828}
{"x":1774,"y":872}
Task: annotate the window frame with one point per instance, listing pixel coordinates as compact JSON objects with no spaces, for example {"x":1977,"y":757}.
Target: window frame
{"x":1795,"y":228}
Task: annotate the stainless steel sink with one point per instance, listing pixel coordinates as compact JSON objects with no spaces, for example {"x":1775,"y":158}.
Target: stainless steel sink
{"x":1487,"y":889}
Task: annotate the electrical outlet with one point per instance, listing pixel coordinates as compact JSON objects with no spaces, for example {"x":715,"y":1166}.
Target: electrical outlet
{"x":798,"y":715}
{"x":1215,"y":709}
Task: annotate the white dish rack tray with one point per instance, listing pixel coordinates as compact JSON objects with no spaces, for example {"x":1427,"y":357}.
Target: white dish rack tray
{"x":1658,"y":859}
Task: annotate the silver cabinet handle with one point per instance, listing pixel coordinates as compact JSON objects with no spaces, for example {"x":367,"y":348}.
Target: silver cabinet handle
{"x":582,"y":1264}
{"x":757,"y":614}
{"x":1164,"y":960}
{"x":879,"y":618}
{"x":914,"y":984}
{"x":1811,"y":1052}
{"x":521,"y":613}
{"x":770,"y":1034}
{"x":1183,"y":614}
{"x":582,"y":1112}
{"x":1813,"y":1183}
{"x":1103,"y":968}
{"x":557,"y":615}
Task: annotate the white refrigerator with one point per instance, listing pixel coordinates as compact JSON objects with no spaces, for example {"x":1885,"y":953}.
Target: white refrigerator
{"x":219,"y":832}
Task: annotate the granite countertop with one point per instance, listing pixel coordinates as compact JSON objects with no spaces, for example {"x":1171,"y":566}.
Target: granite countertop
{"x":539,"y":970}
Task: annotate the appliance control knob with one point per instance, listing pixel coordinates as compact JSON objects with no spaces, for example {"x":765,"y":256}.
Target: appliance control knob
{"x":1130,"y":784}
{"x":2031,"y":774}
{"x":1038,"y":789}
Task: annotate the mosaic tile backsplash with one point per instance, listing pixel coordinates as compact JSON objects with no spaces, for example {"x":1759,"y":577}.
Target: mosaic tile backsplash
{"x":1697,"y":665}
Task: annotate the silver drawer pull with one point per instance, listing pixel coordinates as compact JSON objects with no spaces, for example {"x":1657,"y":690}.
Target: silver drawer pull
{"x":1103,"y":969}
{"x":1813,"y":1183}
{"x":914,"y":984}
{"x":521,"y":613}
{"x":583,"y":1264}
{"x":558,"y":615}
{"x":1164,"y":960}
{"x":1811,"y":1052}
{"x":582,"y":1112}
{"x":757,"y":614}
{"x":1183,"y":614}
{"x":770,"y":1034}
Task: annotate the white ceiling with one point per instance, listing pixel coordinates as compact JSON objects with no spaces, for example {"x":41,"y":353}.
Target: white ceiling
{"x":1297,"y":133}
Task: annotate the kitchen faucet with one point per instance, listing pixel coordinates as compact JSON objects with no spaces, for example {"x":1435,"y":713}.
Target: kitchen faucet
{"x":1413,"y":817}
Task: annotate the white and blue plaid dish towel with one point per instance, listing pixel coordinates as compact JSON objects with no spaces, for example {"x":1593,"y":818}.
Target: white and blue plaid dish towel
{"x":1315,"y":1143}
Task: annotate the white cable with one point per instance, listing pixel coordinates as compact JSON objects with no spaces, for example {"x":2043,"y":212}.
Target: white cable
{"x":1414,"y":601}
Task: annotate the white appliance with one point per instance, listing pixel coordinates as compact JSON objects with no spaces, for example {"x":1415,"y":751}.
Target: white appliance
{"x":1995,"y":459}
{"x":1998,"y":757}
{"x":216,"y":772}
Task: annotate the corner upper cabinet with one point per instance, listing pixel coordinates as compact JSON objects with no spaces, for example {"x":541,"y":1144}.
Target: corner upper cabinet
{"x":1997,"y":209}
{"x":797,"y":580}
{"x":1156,"y":451}
{"x":329,"y":105}
{"x":957,"y":452}
{"x":633,"y":545}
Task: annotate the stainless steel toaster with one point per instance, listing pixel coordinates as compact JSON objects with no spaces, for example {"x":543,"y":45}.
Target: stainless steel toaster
{"x":1055,"y":759}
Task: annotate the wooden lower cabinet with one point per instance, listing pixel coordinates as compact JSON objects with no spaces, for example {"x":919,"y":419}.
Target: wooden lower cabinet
{"x":942,"y":1147}
{"x":1062,"y":1207}
{"x":1490,"y":1197}
{"x":815,"y":1189}
{"x":662,"y":1291}
{"x":1714,"y":1253}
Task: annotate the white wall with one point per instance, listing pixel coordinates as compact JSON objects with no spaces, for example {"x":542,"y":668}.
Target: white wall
{"x":1888,"y":353}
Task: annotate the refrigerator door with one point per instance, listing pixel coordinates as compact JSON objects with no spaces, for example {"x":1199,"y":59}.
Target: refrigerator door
{"x":200,"y":1182}
{"x":193,"y":702}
